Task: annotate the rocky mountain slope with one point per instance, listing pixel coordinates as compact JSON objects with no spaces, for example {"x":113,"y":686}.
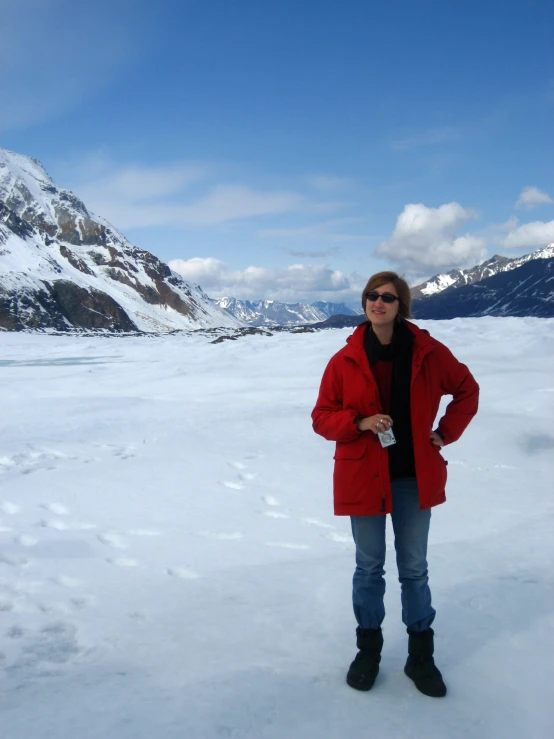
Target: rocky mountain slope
{"x":63,"y":268}
{"x":527,"y":290}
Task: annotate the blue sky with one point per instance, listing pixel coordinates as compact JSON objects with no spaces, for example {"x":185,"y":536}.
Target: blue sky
{"x":288,"y":149}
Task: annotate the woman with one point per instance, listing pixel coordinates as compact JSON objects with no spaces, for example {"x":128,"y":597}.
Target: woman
{"x":391,"y":376}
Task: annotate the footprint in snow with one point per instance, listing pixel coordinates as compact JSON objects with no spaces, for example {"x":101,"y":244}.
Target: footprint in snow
{"x":126,"y":453}
{"x":270,"y":500}
{"x":66,"y":582}
{"x":26,"y":541}
{"x":285,"y":545}
{"x":112,"y":540}
{"x":232,"y":485}
{"x":5,"y":559}
{"x":184,"y":573}
{"x":223,"y":535}
{"x":237,"y":465}
{"x":123,"y":452}
{"x":139,"y":617}
{"x":15,"y":632}
{"x":9,"y":508}
{"x":56,"y":508}
{"x":317,"y":522}
{"x":81,"y":602}
{"x":340,"y":538}
{"x":123,"y":562}
{"x":55,"y":643}
{"x":60,"y":525}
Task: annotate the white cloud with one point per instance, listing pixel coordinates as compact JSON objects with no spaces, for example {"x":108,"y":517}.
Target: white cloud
{"x":135,"y":184}
{"x":295,"y":283}
{"x":507,"y":226}
{"x":530,"y":236}
{"x":530,"y":197}
{"x":184,"y":194}
{"x":232,"y":202}
{"x":139,"y":196}
{"x":428,"y":238}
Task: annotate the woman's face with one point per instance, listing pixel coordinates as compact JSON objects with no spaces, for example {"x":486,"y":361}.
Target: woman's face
{"x":379,"y":312}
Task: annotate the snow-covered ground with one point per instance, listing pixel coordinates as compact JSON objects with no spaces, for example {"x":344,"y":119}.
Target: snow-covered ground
{"x":170,"y":565}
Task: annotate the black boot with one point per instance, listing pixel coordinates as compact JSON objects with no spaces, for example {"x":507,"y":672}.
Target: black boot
{"x":364,"y":669}
{"x":420,"y":665}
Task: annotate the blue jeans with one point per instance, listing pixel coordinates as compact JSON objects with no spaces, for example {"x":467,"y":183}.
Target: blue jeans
{"x":411,"y":531}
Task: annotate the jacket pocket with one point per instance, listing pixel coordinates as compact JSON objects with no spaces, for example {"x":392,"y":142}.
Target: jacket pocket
{"x":351,"y":449}
{"x":438,"y":449}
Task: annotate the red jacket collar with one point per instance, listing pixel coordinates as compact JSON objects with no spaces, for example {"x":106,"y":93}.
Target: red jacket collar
{"x":355,"y":342}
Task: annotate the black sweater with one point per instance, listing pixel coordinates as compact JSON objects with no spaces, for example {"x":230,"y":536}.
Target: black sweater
{"x":399,"y":353}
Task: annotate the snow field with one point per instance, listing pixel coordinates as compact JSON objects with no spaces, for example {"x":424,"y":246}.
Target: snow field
{"x":170,"y":565}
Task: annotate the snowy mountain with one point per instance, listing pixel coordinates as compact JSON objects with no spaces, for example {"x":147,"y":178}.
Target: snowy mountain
{"x":527,"y":290}
{"x":272,"y":312}
{"x":459,"y":277}
{"x":338,"y":309}
{"x":62,"y":267}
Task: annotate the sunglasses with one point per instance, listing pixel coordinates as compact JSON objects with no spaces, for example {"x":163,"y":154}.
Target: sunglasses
{"x":387,"y":297}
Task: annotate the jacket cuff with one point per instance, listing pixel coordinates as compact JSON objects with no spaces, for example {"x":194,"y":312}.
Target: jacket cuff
{"x":439,"y":433}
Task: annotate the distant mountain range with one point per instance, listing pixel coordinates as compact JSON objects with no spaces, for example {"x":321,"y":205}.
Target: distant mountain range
{"x":425,"y":298}
{"x":63,"y":268}
{"x":274,"y":313}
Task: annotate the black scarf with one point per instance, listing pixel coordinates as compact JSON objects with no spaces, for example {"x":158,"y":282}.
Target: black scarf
{"x":399,"y":351}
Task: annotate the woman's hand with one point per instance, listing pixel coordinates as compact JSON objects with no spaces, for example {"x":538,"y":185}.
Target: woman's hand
{"x":378,"y":423}
{"x":436,"y":439}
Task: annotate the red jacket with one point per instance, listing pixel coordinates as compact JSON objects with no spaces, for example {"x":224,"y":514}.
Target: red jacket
{"x":348,"y":389}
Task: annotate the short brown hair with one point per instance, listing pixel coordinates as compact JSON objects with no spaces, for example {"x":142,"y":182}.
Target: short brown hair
{"x":402,"y":288}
